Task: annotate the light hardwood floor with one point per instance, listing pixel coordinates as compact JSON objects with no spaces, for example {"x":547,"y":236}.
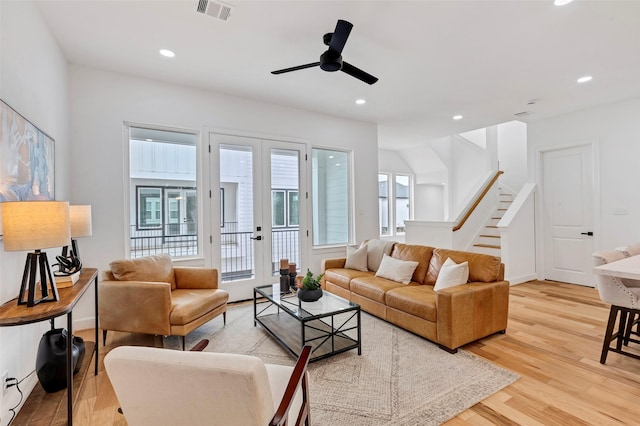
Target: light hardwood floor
{"x":553,"y":342}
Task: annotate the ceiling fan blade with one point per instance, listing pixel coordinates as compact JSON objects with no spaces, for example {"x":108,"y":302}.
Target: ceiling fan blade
{"x":340,"y":35}
{"x":358,"y":73}
{"x":299,"y":67}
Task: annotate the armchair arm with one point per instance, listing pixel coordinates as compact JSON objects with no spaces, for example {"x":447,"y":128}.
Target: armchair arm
{"x":333,"y":263}
{"x":193,"y":278}
{"x":471,"y":311}
{"x":299,"y":375}
{"x":135,"y":306}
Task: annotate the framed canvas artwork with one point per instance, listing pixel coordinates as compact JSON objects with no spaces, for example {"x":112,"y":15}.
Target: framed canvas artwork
{"x":26,"y":159}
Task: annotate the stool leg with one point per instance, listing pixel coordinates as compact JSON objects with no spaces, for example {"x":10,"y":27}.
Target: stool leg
{"x":621,"y":326}
{"x":613,"y":313}
{"x":629,"y":328}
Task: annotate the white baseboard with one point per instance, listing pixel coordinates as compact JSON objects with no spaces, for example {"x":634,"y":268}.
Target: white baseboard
{"x":84,"y":323}
{"x":522,"y":279}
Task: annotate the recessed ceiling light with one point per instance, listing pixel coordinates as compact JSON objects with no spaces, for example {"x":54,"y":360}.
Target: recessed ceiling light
{"x":562,"y":2}
{"x":457,"y":117}
{"x":361,"y":101}
{"x":168,"y":53}
{"x":584,"y":79}
{"x":149,"y":140}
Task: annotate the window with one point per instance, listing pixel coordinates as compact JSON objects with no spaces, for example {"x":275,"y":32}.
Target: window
{"x":163,"y":188}
{"x":331,"y":198}
{"x":394,"y":203}
{"x":383,"y":204}
{"x":284,"y":208}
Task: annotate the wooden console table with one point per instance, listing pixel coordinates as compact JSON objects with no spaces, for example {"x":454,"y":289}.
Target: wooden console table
{"x":12,"y":314}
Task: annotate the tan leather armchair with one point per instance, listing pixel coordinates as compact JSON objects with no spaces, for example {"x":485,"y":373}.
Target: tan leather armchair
{"x":149,"y":295}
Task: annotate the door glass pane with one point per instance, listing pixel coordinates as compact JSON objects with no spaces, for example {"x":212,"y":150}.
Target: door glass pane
{"x":330,"y":180}
{"x":294,"y":212}
{"x":285,"y":165}
{"x":236,"y":180}
{"x":403,"y":202}
{"x":383,"y":204}
{"x":277,"y":208}
{"x":162,"y":174}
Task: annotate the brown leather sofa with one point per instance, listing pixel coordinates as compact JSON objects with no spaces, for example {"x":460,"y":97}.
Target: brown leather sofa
{"x":149,"y":295}
{"x":451,"y":317}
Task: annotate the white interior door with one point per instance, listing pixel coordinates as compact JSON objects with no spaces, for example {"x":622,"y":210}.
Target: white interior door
{"x":568,"y":214}
{"x":258,"y":210}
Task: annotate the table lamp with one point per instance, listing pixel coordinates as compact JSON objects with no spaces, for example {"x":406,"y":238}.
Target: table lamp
{"x":36,"y":225}
{"x":69,"y":261}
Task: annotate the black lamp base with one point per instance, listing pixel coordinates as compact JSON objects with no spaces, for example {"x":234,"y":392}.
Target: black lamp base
{"x":48,"y":290}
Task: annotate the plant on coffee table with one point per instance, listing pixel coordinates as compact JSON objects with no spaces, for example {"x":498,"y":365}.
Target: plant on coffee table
{"x":309,"y":287}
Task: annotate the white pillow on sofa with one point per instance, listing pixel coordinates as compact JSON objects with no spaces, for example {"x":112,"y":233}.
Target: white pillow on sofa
{"x":452,"y":274}
{"x":396,"y":270}
{"x":356,"y":258}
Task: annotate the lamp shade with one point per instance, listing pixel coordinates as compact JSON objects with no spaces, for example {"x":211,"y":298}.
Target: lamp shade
{"x":34,"y":225}
{"x":80,"y":217}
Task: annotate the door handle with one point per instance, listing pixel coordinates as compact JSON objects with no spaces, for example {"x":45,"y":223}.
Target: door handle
{"x":258,"y":238}
{"x":587,"y":233}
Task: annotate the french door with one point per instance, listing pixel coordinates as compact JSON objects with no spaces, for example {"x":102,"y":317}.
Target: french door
{"x":258,"y":210}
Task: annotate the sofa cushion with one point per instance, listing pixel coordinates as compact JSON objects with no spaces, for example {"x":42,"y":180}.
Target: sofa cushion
{"x":416,"y":253}
{"x":482,"y":267}
{"x":356,"y":258}
{"x":418,"y":300}
{"x":190,"y":304}
{"x":452,"y":274}
{"x":155,"y":268}
{"x":396,"y":270}
{"x":376,"y":249}
{"x":342,"y":277}
{"x":373,"y":288}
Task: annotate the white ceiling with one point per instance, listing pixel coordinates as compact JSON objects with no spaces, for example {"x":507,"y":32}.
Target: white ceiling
{"x":482,"y":59}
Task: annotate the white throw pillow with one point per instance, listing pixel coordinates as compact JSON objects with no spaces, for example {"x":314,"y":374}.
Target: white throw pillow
{"x":356,"y":258}
{"x":396,"y":270}
{"x":452,"y":274}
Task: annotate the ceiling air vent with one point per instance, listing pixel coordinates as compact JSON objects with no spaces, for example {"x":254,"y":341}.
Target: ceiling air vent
{"x":523,"y":114}
{"x":214,"y":8}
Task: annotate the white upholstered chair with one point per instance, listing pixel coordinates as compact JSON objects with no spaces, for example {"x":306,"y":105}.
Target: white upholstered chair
{"x":166,"y":387}
{"x":630,"y":250}
{"x":625,"y":304}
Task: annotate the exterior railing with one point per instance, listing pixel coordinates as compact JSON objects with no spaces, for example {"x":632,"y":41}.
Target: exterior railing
{"x":237,"y":247}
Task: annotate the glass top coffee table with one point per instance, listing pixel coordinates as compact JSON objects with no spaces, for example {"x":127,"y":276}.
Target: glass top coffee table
{"x":330,"y":325}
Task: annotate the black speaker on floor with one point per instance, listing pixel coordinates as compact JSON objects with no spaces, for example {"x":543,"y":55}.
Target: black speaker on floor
{"x":51,"y":361}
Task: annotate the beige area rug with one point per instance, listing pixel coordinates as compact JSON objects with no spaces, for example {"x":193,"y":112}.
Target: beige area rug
{"x":400,"y":378}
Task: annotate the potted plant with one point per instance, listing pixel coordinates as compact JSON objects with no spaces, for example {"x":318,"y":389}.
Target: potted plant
{"x":309,"y":289}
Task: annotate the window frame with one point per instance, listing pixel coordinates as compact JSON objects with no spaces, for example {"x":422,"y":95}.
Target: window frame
{"x":350,"y":199}
{"x":392,"y":201}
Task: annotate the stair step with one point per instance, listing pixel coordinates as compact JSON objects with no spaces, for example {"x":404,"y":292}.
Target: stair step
{"x":489,"y":236}
{"x":502,"y":210}
{"x":496,"y":218}
{"x":487,"y":246}
{"x":491,"y":226}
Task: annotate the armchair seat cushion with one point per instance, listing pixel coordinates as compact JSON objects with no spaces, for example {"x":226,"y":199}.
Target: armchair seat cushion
{"x":418,"y":300}
{"x":191,"y":304}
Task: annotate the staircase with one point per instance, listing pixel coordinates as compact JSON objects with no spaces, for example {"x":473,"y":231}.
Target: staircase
{"x":488,"y":241}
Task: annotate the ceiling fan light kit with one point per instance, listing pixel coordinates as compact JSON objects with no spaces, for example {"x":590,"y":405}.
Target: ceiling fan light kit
{"x":331,"y":60}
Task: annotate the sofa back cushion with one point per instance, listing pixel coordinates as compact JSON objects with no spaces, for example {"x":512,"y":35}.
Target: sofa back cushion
{"x":155,"y":268}
{"x":482,"y":267}
{"x":415,"y":253}
{"x":376,"y":249}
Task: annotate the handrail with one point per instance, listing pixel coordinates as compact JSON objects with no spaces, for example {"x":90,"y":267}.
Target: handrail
{"x":477,"y":201}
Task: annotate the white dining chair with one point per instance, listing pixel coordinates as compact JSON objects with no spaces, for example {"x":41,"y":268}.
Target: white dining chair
{"x":625,"y":306}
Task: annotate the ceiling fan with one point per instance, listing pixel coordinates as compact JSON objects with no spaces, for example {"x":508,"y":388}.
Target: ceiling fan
{"x":331,"y":60}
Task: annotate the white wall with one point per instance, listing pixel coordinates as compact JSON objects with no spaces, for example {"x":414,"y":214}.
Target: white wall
{"x":429,"y":202}
{"x":33,"y":80}
{"x":617,"y":128}
{"x":101,"y":101}
{"x":512,"y":154}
